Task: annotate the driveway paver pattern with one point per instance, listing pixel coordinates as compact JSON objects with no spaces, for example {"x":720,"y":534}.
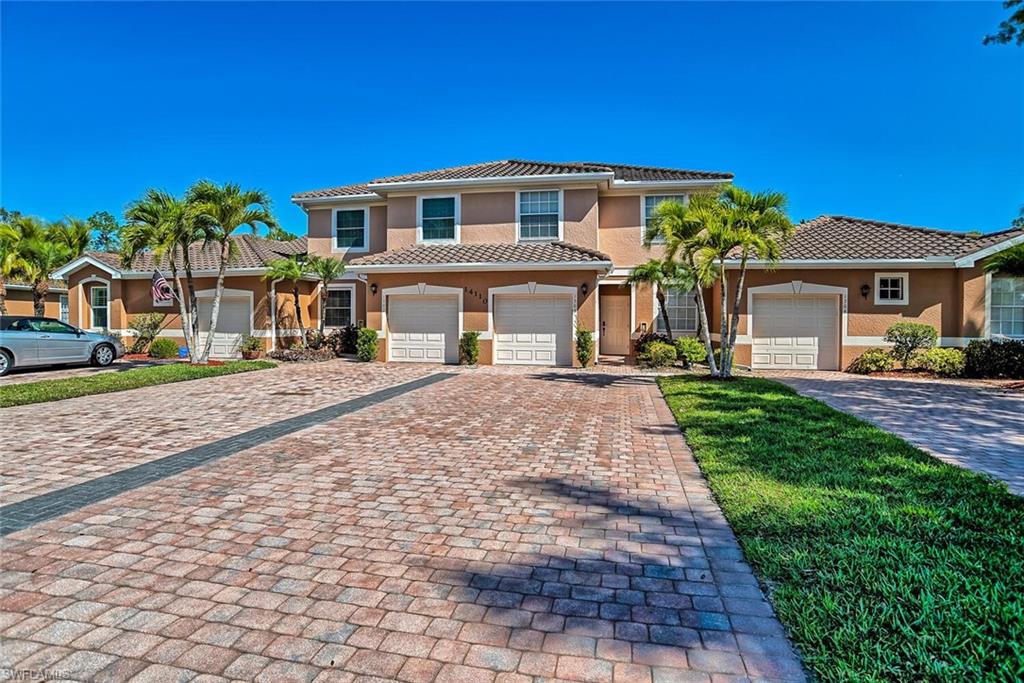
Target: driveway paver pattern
{"x":496,"y":526}
{"x":974,"y":426}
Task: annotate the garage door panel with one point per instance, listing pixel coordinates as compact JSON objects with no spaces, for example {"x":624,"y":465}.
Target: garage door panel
{"x":423,"y":329}
{"x":795,"y":332}
{"x":233,"y":323}
{"x":533,"y":329}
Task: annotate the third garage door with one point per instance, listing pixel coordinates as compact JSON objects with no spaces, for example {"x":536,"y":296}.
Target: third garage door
{"x":796,"y":332}
{"x":423,"y":329}
{"x":533,"y":329}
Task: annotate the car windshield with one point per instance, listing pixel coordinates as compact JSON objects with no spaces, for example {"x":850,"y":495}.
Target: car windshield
{"x":52,"y":326}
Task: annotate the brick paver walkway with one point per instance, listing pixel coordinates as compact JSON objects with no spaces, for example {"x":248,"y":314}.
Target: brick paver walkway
{"x":974,"y":426}
{"x":495,"y":526}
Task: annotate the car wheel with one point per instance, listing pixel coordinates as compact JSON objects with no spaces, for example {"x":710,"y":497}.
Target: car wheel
{"x":6,"y":363}
{"x":103,"y":355}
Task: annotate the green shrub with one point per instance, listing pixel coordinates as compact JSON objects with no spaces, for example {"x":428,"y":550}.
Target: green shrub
{"x":251,"y":343}
{"x":690,"y":350}
{"x":650,"y":336}
{"x":146,"y":326}
{"x":991,"y":358}
{"x":942,"y":362}
{"x":584,"y":346}
{"x":163,"y":348}
{"x":315,"y":339}
{"x":658,"y":354}
{"x":302,"y":354}
{"x":872,"y":360}
{"x":366,"y":344}
{"x":907,"y":338}
{"x":469,"y":347}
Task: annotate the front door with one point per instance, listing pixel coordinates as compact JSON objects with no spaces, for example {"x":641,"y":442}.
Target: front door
{"x":615,"y":322}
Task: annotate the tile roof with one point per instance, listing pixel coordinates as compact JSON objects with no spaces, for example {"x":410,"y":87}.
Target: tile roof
{"x":510,"y":168}
{"x":22,"y":283}
{"x":846,"y":238}
{"x":249,"y":252}
{"x":454,"y":254}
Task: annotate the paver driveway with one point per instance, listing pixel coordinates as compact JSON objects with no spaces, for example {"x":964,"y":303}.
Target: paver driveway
{"x":493,"y":525}
{"x":973,"y":426}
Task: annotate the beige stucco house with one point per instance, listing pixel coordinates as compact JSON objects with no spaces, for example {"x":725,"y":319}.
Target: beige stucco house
{"x":527,"y":252}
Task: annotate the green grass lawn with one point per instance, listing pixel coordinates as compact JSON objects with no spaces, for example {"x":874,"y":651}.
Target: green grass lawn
{"x":884,"y":563}
{"x":106,"y":382}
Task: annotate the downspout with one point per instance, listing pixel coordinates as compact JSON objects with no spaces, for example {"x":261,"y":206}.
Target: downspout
{"x":273,"y":315}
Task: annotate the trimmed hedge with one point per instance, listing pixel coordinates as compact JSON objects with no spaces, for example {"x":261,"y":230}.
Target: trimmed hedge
{"x":584,"y":346}
{"x":657,"y":354}
{"x":1000,"y":359}
{"x":469,"y":347}
{"x":872,"y":360}
{"x":366,"y":345}
{"x":162,"y":347}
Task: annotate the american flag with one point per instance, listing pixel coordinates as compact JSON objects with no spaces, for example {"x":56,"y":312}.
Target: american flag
{"x":159,"y":287}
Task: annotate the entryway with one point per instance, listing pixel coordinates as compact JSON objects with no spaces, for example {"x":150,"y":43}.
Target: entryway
{"x":615,"y":303}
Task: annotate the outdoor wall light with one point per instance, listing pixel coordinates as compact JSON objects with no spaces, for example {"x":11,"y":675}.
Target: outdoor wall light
{"x":865,"y":290}
{"x":373,"y":288}
{"x":584,"y":288}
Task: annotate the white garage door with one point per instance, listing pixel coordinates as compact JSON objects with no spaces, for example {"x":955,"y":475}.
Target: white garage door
{"x":232,"y":325}
{"x":533,"y":329}
{"x":423,"y":329}
{"x":796,"y":332}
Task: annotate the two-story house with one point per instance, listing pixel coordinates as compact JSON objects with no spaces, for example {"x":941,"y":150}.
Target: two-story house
{"x":527,"y":252}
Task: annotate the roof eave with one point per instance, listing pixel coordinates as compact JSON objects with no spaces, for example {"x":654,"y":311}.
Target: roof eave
{"x":81,"y":262}
{"x":969,"y":260}
{"x":665,"y":184}
{"x":545,"y":179}
{"x":480,"y":266}
{"x":337,"y":199}
{"x":928,"y":262}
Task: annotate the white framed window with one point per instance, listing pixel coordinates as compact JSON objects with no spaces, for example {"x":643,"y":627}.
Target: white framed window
{"x":892,"y":289}
{"x":65,"y":311}
{"x":539,"y":215}
{"x":438,"y":219}
{"x":650,"y":202}
{"x":351,"y":229}
{"x":339,"y":306}
{"x":99,"y":300}
{"x":1007,"y":307}
{"x":682,"y":311}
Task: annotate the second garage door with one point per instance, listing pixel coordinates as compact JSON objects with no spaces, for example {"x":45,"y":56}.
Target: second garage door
{"x":796,"y":332}
{"x":423,"y":329}
{"x":233,"y":323}
{"x":532,"y":329}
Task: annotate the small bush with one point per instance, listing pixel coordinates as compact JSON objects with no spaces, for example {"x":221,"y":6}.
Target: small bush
{"x":163,"y":348}
{"x":584,"y":346}
{"x":991,"y":358}
{"x":366,"y":345}
{"x":315,"y":339}
{"x":908,"y":338}
{"x":872,"y":360}
{"x":146,"y":326}
{"x":343,"y":340}
{"x":251,"y":344}
{"x":469,"y":348}
{"x":690,"y":350}
{"x":942,"y":362}
{"x":650,"y":336}
{"x":301,"y":354}
{"x":658,"y":354}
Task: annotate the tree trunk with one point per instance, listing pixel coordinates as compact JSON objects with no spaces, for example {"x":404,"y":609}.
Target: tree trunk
{"x":723,"y":339}
{"x":185,"y":324}
{"x":193,"y":304}
{"x":664,"y":312}
{"x":705,"y":331}
{"x":3,"y":297}
{"x":225,"y":247}
{"x":39,"y":290}
{"x":298,"y":312}
{"x":734,"y":324}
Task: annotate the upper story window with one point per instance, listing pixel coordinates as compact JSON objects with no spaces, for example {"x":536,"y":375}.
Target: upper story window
{"x":651,"y":202}
{"x":439,"y":219}
{"x":351,"y":229}
{"x":540,"y":215}
{"x":892,"y":289}
{"x":1007,"y":307}
{"x":98,"y":300}
{"x":682,"y":311}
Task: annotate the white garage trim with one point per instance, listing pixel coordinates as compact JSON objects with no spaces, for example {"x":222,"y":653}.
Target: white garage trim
{"x":530,"y":288}
{"x":795,"y":287}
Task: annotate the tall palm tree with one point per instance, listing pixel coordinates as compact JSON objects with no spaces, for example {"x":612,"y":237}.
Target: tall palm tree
{"x":11,"y":261}
{"x":161,"y":223}
{"x":74,"y":233}
{"x":290,"y":269}
{"x":760,"y":228}
{"x":226,"y":208}
{"x":663,"y":275}
{"x":42,"y":256}
{"x":1008,"y":262}
{"x":326,"y":268}
{"x":677,"y":224}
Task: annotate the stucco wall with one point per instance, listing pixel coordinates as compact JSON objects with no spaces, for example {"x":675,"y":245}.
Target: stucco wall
{"x":401,"y":222}
{"x":488,"y":217}
{"x":580,"y":217}
{"x":621,"y":235}
{"x":19,"y":302}
{"x":321,"y":232}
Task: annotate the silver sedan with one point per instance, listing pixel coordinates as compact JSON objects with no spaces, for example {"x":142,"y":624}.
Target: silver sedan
{"x":30,"y":341}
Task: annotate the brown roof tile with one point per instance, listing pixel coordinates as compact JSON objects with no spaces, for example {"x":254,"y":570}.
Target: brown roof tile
{"x":846,"y":238}
{"x":340,"y":191}
{"x":437,"y":254}
{"x":249,"y":252}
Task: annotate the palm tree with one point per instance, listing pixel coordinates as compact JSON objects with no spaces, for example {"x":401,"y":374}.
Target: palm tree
{"x":1008,"y":262}
{"x":326,"y":268}
{"x":165,"y":225}
{"x":73,"y":233}
{"x":760,"y":227}
{"x":663,"y":275}
{"x":42,"y":256}
{"x":11,"y":261}
{"x":288,"y":269}
{"x":225,"y":209}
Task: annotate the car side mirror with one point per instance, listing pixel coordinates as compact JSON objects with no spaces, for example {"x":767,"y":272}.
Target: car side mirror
{"x":78,"y":332}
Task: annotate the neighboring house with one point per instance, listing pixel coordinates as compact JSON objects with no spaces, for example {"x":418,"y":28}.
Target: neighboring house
{"x":527,"y":252}
{"x":102,"y":294}
{"x":19,"y":299}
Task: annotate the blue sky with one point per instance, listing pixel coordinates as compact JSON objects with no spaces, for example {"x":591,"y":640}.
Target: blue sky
{"x":880,"y":110}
